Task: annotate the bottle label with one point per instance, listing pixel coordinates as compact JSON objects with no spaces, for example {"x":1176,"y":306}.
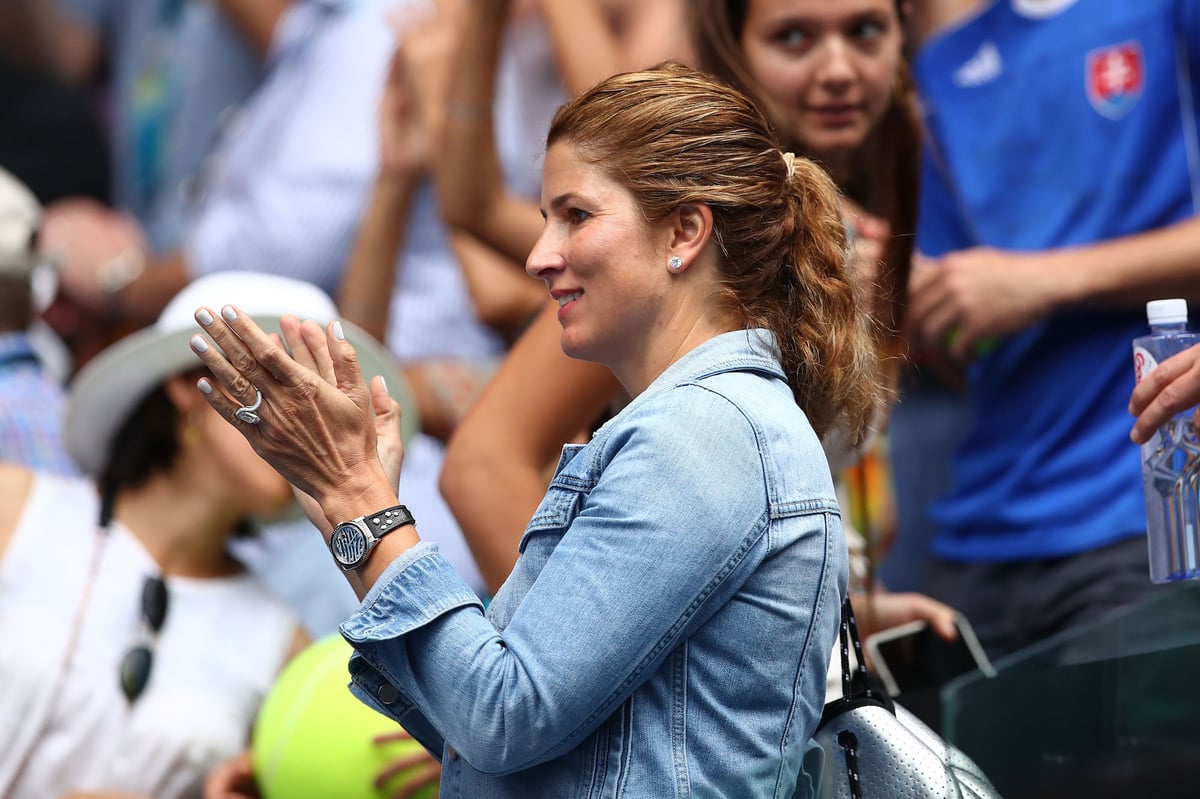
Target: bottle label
{"x":1143,"y":363}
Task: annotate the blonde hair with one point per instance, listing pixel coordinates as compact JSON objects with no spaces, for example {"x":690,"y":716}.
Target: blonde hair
{"x":672,"y":136}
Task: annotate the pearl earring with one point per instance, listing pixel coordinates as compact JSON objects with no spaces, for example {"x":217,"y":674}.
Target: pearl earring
{"x":674,"y":263}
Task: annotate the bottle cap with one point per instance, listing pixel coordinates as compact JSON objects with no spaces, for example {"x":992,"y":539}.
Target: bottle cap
{"x":1166,"y":312}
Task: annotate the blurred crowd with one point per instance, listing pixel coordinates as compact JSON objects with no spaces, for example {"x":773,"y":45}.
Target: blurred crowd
{"x":1019,"y":177}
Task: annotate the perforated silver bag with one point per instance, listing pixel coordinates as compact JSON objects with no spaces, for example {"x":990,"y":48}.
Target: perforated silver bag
{"x":875,"y":749}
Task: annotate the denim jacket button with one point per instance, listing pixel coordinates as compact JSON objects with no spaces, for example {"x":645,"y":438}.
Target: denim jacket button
{"x":387,"y":693}
{"x":450,"y":753}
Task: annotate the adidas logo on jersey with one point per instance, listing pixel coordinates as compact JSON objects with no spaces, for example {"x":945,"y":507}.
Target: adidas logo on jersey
{"x":983,"y":67}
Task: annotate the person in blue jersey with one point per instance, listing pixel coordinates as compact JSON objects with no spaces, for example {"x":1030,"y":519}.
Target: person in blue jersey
{"x":691,"y":554}
{"x":1060,"y":187}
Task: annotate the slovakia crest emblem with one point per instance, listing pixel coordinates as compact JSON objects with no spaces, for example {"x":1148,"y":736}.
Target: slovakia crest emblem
{"x":1115,"y":76}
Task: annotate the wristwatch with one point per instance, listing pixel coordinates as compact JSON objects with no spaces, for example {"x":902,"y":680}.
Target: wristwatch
{"x":353,"y":541}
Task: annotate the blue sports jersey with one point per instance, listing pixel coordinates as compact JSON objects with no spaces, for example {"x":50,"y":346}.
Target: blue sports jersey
{"x":1044,"y":133}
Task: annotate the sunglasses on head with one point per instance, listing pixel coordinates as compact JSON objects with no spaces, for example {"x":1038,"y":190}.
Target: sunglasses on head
{"x":135,"y":665}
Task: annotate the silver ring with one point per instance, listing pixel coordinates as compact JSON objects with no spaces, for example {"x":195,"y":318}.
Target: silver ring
{"x":247,"y":414}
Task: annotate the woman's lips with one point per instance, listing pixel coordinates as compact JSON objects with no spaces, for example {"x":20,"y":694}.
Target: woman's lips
{"x":835,"y":115}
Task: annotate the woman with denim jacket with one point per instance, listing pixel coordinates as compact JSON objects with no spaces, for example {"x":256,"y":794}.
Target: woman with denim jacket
{"x":834,"y":83}
{"x":667,"y":629}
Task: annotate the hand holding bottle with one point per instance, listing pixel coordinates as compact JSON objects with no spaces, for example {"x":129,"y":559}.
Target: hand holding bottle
{"x":1170,"y":466}
{"x":1173,"y":387}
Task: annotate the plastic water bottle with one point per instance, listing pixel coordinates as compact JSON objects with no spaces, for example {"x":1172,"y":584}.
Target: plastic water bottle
{"x":1171,"y":458}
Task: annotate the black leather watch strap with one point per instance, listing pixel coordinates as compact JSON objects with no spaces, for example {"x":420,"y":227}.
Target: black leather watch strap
{"x":388,"y":519}
{"x":351,"y":542}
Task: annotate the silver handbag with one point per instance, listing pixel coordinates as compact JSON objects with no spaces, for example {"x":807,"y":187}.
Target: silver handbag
{"x":875,"y":749}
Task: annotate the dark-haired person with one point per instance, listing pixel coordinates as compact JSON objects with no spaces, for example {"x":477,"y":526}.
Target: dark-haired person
{"x":137,"y":648}
{"x":668,"y":627}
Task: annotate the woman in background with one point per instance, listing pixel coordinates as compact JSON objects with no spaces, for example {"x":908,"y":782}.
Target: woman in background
{"x":141,"y":649}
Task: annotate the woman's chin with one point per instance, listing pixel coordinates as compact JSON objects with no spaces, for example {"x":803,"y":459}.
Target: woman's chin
{"x":834,"y":146}
{"x":572,"y":347}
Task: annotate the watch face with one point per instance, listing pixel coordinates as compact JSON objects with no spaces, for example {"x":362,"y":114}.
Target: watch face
{"x":349,"y":544}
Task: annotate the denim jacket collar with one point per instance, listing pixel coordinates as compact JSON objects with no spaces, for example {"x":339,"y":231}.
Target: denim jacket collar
{"x":751,"y":349}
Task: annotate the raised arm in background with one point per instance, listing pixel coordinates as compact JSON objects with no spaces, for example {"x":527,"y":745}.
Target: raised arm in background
{"x":470,"y":184}
{"x":365,"y":290}
{"x":584,"y":45}
{"x":410,"y":120}
{"x":587,"y":47}
{"x":648,"y":33}
{"x":504,"y":297}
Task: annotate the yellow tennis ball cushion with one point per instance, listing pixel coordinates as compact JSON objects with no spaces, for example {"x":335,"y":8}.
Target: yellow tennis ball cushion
{"x":315,"y":740}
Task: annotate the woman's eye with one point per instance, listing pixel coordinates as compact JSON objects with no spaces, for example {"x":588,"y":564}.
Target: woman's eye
{"x":576,"y":216}
{"x":791,"y":38}
{"x":868,"y":30}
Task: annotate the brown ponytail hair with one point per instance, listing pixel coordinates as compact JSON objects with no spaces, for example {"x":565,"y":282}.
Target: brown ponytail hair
{"x":673,"y":136}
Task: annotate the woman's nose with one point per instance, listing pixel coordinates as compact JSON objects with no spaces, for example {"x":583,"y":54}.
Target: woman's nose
{"x":543,"y":259}
{"x":836,"y":68}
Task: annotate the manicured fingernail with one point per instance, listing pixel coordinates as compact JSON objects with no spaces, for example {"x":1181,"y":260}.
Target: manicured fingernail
{"x":204,"y":317}
{"x":383,"y":383}
{"x":204,"y":386}
{"x":229,"y":314}
{"x":199,"y":344}
{"x":338,"y":333}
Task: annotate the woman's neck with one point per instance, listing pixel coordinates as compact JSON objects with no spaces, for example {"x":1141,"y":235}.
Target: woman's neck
{"x":184,"y":531}
{"x":669,"y":345}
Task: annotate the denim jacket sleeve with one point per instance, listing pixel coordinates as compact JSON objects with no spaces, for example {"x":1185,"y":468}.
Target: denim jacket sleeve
{"x":660,"y":542}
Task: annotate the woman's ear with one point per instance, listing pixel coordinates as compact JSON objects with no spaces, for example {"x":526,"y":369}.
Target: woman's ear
{"x":182,"y":391}
{"x":691,"y":229}
{"x":189,"y":406}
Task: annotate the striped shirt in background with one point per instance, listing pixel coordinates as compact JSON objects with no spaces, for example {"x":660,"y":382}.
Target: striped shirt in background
{"x":31,"y":410}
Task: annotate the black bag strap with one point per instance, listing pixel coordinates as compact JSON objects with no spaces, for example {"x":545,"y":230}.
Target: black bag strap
{"x":849,"y":635}
{"x":858,"y":690}
{"x":858,"y":685}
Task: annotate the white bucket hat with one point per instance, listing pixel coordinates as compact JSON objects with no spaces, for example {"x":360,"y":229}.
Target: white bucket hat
{"x":112,"y":384}
{"x":20,"y":213}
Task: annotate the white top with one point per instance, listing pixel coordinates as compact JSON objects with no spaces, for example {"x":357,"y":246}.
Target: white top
{"x":64,"y":722}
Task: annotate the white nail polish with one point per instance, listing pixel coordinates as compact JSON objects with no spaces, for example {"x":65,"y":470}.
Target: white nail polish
{"x":204,"y":386}
{"x":204,"y":317}
{"x":338,"y":333}
{"x":229,"y":314}
{"x":383,"y":383}
{"x":199,"y":344}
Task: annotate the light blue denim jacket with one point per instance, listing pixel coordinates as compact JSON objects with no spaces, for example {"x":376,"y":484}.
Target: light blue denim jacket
{"x":667,"y":629}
